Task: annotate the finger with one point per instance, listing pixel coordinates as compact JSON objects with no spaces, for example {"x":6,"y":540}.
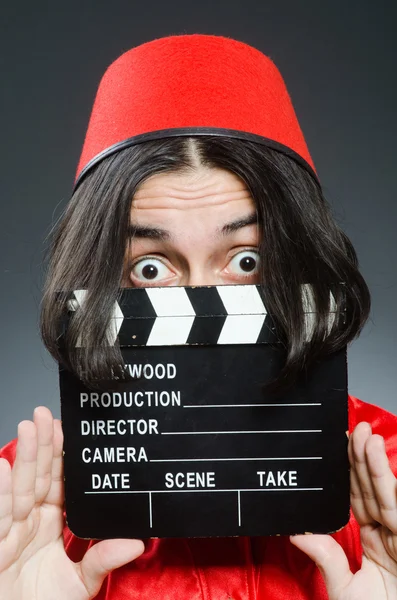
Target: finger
{"x":330,"y":559}
{"x":5,"y":498}
{"x":360,"y":436}
{"x":383,"y":482}
{"x":104,"y":557}
{"x":43,"y":420}
{"x":357,"y":502}
{"x":55,"y":492}
{"x":24,"y":471}
{"x":356,"y":496}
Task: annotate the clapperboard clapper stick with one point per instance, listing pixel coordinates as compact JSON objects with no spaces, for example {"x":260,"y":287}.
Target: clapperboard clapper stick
{"x":192,"y":447}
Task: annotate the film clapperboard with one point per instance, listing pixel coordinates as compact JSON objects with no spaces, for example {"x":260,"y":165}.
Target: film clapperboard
{"x":192,"y":447}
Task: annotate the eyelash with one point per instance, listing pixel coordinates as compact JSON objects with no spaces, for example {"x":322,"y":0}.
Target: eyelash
{"x":136,"y":261}
{"x":245,"y":249}
{"x":160,"y":257}
{"x":133,"y":263}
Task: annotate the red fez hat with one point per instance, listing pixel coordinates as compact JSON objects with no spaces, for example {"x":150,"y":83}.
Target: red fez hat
{"x":192,"y":85}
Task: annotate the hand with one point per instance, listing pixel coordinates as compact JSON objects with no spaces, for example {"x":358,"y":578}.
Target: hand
{"x":33,"y":562}
{"x":374,"y":504}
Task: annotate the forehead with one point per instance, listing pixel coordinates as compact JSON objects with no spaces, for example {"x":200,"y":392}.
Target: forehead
{"x":193,"y":189}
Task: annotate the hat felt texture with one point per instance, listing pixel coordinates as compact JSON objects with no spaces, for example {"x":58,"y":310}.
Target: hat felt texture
{"x":192,"y":85}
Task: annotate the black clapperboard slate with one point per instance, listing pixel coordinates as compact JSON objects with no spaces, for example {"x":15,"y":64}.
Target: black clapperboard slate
{"x":192,"y":447}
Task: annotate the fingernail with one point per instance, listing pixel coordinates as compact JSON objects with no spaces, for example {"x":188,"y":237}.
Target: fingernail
{"x":367,"y":427}
{"x":382,"y":440}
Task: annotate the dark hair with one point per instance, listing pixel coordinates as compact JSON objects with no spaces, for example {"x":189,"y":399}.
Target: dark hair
{"x":301,"y":243}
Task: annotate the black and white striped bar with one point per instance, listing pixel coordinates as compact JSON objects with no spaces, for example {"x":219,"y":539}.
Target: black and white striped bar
{"x":178,"y":316}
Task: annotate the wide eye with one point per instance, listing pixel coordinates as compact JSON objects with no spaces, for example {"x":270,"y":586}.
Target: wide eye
{"x":244,"y":263}
{"x":150,"y":270}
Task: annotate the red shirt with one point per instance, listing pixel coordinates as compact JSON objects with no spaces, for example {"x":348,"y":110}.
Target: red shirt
{"x":237,"y":568}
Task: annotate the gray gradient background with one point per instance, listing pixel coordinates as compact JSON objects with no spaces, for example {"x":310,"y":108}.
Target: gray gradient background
{"x":339,"y":61}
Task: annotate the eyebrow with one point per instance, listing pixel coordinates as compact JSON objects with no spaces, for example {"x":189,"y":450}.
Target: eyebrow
{"x":156,"y":233}
{"x":234,"y":226}
{"x":151,"y":233}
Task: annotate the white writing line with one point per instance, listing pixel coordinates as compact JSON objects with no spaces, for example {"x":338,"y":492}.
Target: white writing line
{"x":283,"y":489}
{"x":248,"y":405}
{"x":161,"y":460}
{"x":150,"y":510}
{"x":234,"y":432}
{"x":239,"y":508}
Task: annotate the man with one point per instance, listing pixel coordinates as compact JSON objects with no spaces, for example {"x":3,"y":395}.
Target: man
{"x":195,"y":172}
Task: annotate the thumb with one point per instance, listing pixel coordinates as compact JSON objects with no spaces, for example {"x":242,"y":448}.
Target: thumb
{"x":104,"y":557}
{"x":330,"y":558}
